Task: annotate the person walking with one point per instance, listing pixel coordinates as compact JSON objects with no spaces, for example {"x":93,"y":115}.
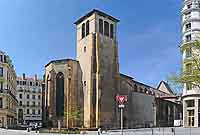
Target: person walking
{"x":99,"y":131}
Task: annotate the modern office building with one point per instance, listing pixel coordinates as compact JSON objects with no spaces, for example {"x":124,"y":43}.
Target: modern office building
{"x":190,"y":33}
{"x":29,"y":96}
{"x":8,"y":101}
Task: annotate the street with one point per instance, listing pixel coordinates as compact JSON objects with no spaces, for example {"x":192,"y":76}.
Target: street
{"x":154,"y":131}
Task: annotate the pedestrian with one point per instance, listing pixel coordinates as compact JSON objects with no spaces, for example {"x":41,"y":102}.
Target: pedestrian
{"x":28,"y":130}
{"x":99,"y":131}
{"x":36,"y":127}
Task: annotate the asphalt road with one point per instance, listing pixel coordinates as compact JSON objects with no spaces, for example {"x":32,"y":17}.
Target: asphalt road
{"x":155,"y":131}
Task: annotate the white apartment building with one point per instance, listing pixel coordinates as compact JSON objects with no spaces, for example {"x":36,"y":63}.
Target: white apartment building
{"x":190,"y":32}
{"x":8,"y":101}
{"x":29,"y":96}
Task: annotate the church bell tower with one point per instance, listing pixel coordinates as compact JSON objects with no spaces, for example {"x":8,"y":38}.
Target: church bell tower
{"x":97,"y":53}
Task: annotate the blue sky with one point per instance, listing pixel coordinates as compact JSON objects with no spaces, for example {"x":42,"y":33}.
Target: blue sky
{"x":33,"y":32}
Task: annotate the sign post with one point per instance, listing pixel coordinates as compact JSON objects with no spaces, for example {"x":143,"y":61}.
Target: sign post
{"x":121,"y":100}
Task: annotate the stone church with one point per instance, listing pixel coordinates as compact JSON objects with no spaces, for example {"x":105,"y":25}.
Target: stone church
{"x":81,"y":92}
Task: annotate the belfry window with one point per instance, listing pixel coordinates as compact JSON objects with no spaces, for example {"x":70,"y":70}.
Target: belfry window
{"x":106,"y":28}
{"x":83,"y":30}
{"x":101,"y":26}
{"x":87,"y":28}
{"x":111,"y":31}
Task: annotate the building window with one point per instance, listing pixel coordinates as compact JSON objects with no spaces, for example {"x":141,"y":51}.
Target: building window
{"x":83,"y":30}
{"x":38,"y":96}
{"x":188,"y":38}
{"x":188,"y":52}
{"x":101,"y":26}
{"x":27,"y":103}
{"x":85,"y":83}
{"x":38,"y":103}
{"x":1,"y":86}
{"x":17,"y":82}
{"x":27,"y":111}
{"x":1,"y":58}
{"x":1,"y":71}
{"x":191,"y":118}
{"x":39,"y":111}
{"x":111,"y":30}
{"x":27,"y":96}
{"x":20,"y":103}
{"x":20,"y":96}
{"x":84,"y":49}
{"x":87,"y":28}
{"x":24,"y":82}
{"x":188,"y":68}
{"x":187,"y":15}
{"x":106,"y":28}
{"x":1,"y":103}
{"x":60,"y":94}
{"x":189,"y":6}
{"x":135,"y":88}
{"x":190,"y":103}
{"x":33,"y":111}
{"x":33,"y":103}
{"x":188,"y":86}
{"x":33,"y":96}
{"x":31,"y":83}
{"x":188,"y":26}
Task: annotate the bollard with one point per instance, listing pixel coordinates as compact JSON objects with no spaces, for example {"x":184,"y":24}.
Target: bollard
{"x":152,"y":131}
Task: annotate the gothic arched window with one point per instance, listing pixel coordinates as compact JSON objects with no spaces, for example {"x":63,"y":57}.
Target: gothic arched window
{"x":135,"y":87}
{"x":60,"y":94}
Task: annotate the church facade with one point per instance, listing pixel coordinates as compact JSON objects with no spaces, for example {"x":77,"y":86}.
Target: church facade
{"x":88,"y":85}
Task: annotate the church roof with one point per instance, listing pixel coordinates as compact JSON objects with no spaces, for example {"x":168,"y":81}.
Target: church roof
{"x":99,"y":13}
{"x":59,"y":61}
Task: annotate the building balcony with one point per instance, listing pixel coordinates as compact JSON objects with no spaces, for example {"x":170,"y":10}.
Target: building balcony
{"x":7,"y":111}
{"x":190,"y":19}
{"x":192,"y":92}
{"x":187,"y":42}
{"x":33,"y":117}
{"x":190,"y":30}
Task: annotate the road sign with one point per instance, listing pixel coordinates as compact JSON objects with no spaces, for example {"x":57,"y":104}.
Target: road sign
{"x":121,"y":106}
{"x":121,"y":99}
